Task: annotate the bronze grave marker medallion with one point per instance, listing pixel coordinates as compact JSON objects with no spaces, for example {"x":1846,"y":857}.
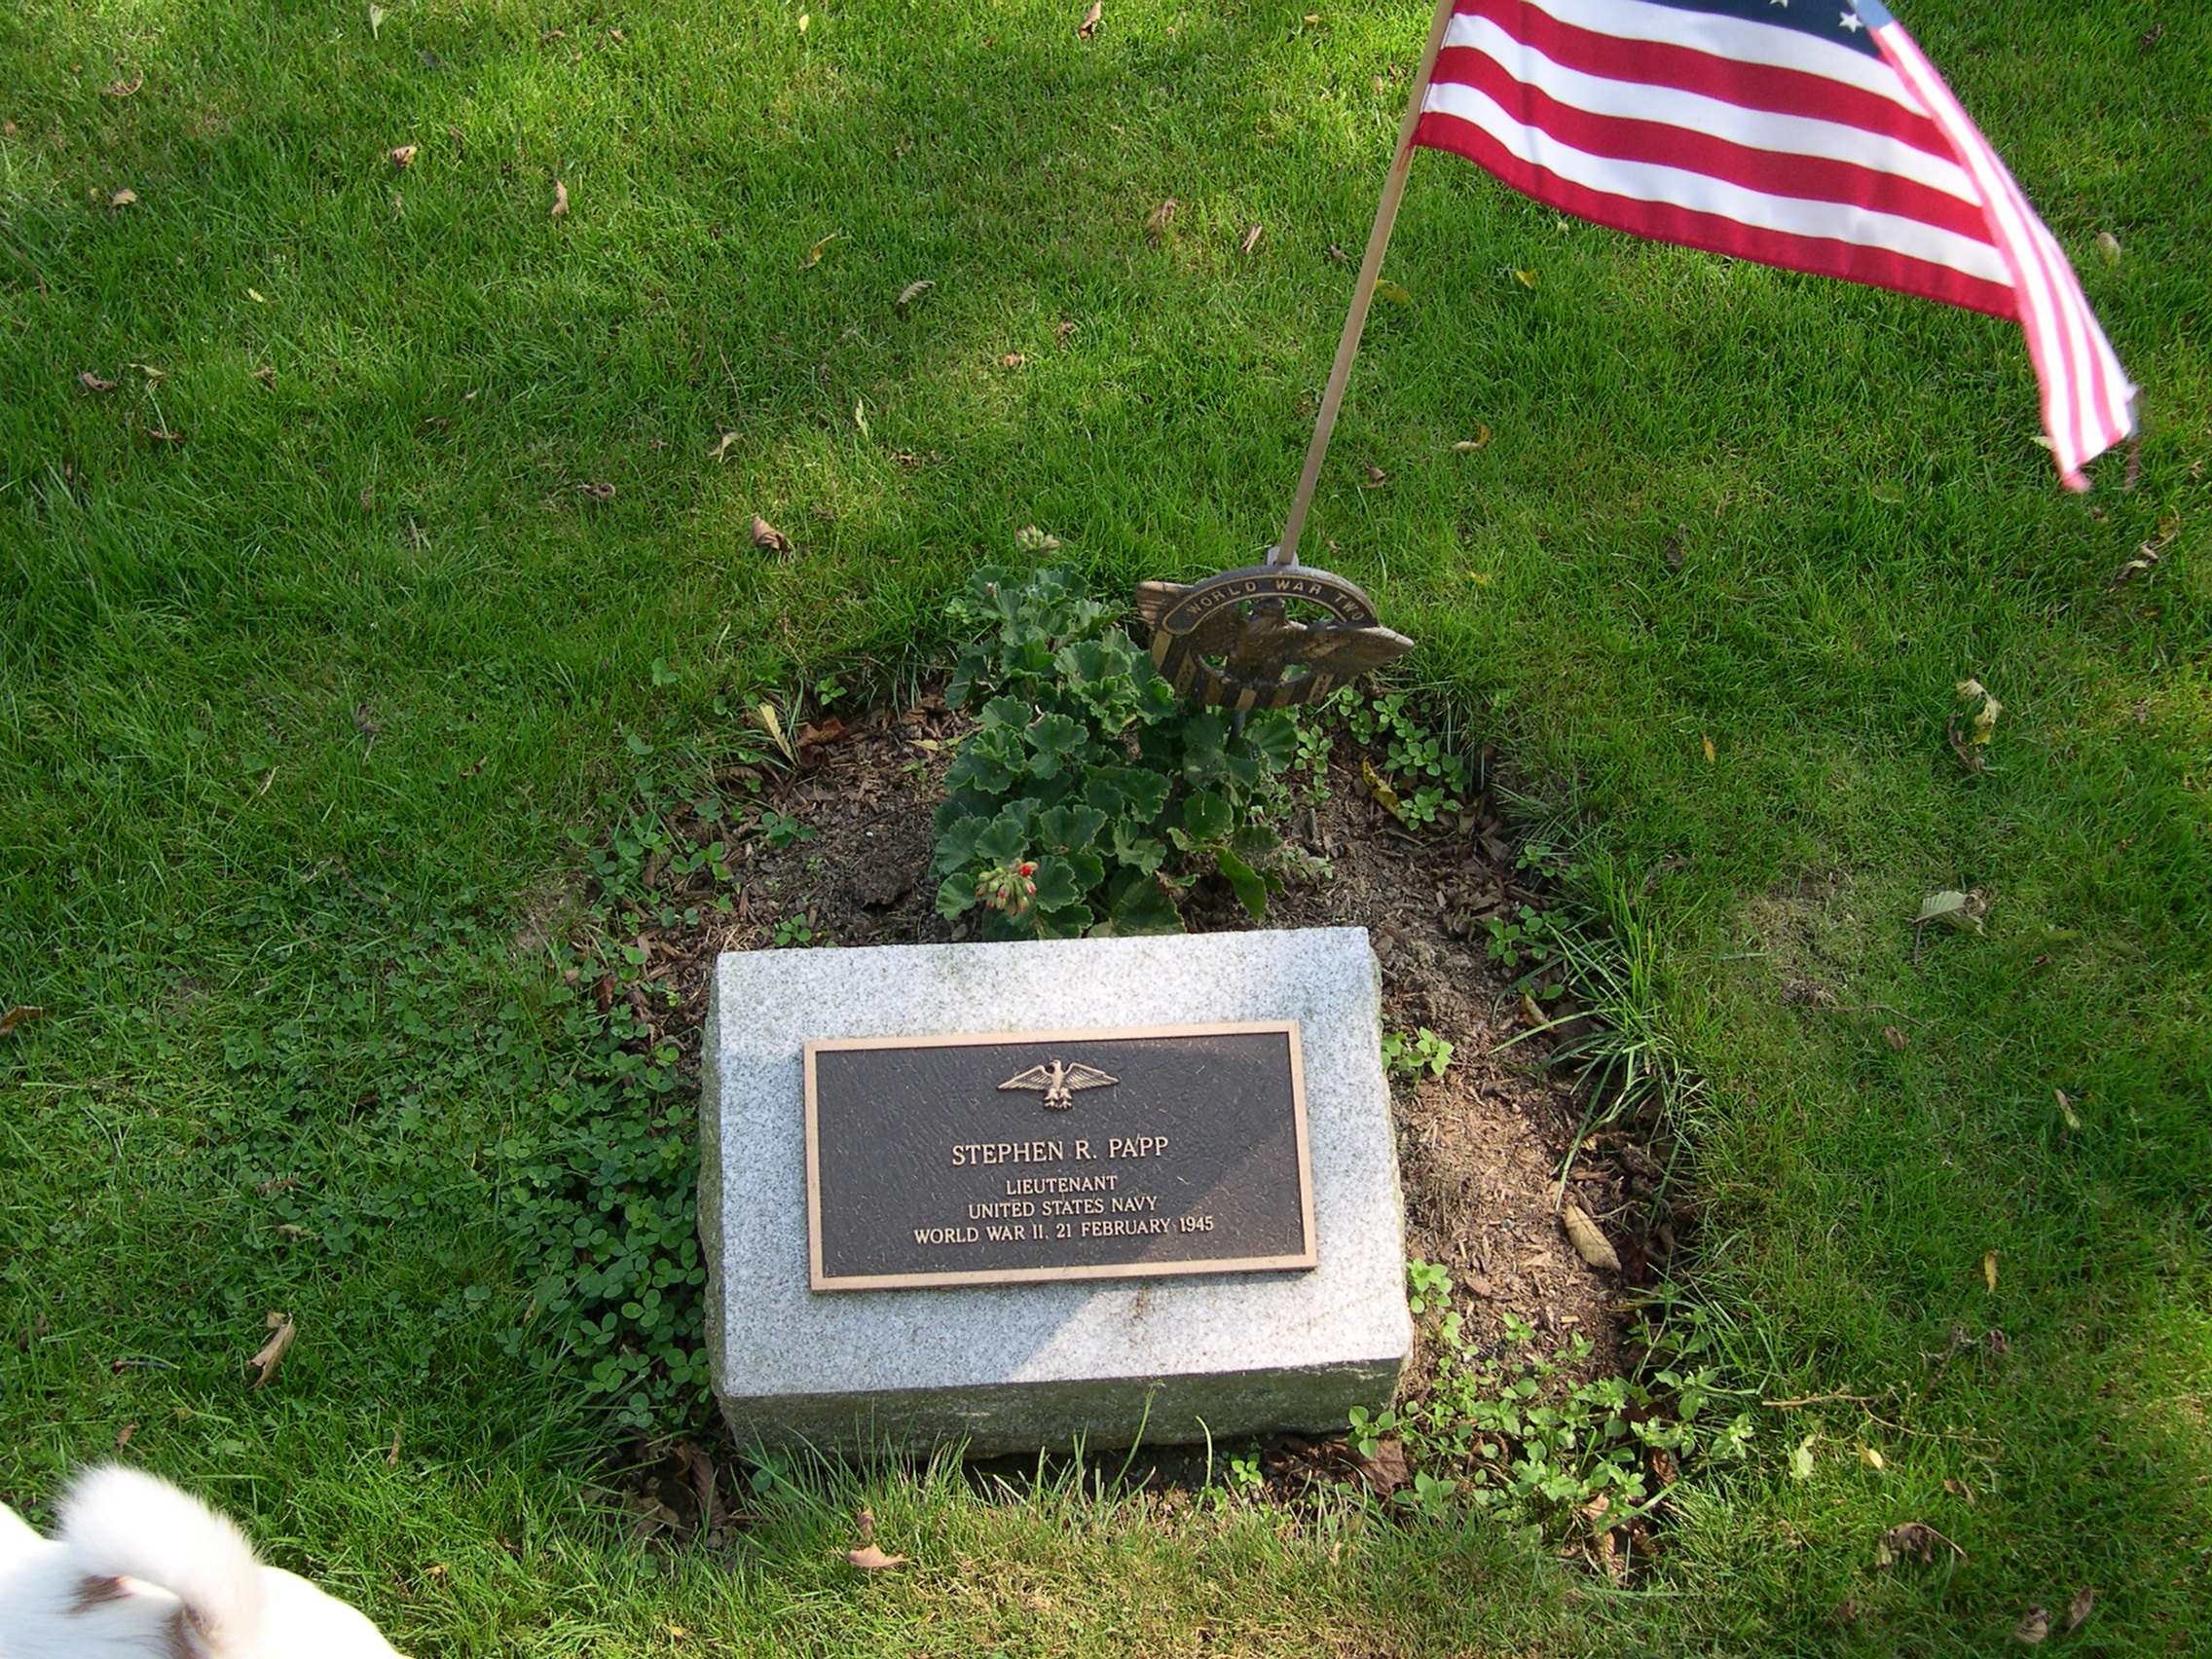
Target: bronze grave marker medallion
{"x":1003,"y":1159}
{"x":1230,"y":642}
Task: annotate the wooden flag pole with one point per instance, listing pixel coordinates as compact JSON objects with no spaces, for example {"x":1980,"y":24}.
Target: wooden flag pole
{"x":1285,"y":552}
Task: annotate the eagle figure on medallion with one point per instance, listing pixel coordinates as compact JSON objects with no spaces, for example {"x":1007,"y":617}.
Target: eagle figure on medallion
{"x":1057,"y":1080}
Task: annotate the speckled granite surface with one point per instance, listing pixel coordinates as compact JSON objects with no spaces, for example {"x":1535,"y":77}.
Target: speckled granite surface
{"x":1017,"y":1367}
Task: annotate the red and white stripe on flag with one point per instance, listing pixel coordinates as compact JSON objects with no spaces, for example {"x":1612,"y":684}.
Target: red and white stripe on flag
{"x":1811,"y":134}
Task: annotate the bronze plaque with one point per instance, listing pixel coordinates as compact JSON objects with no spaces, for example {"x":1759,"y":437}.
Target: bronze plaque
{"x":936,"y":1160}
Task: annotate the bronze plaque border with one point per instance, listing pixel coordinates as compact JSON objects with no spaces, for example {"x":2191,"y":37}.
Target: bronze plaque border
{"x":818,"y":1281}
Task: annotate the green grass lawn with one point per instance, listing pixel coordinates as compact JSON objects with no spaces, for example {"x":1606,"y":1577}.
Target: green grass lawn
{"x":298,"y":716}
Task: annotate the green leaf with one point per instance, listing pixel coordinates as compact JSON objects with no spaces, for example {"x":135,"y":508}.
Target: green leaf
{"x":1069,"y":828}
{"x":1203,"y":736}
{"x":955,"y":896}
{"x":1057,"y":886}
{"x":1274,"y":737}
{"x":1007,"y":837}
{"x":1114,"y":789}
{"x":1207,"y":817}
{"x":1251,"y":891}
{"x":1136,"y":905}
{"x":1054,"y":739}
{"x":1132,"y":846}
{"x":993,"y":760}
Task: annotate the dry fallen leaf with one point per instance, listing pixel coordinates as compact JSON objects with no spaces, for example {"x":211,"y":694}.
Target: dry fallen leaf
{"x":124,"y":1434}
{"x":2108,"y":245}
{"x":1872,"y":1458}
{"x":404,"y":155}
{"x":804,"y":19}
{"x":392,"y":1458}
{"x":868,"y":1558}
{"x":766,"y":534}
{"x":1338,"y":255}
{"x":598,"y":491}
{"x":1959,"y":909}
{"x":2078,"y":1609}
{"x":254,"y":294}
{"x":164,"y":437}
{"x":1984,"y":714}
{"x":266,"y":376}
{"x":2066,"y":1110}
{"x":1989,"y":1271}
{"x":1711,"y":754}
{"x":1527,"y":278}
{"x":560,"y":199}
{"x":1589,"y":1244}
{"x":22,"y":1014}
{"x":1012,"y":360}
{"x":1385,"y":796}
{"x":279,"y":1343}
{"x":1468,"y":446}
{"x":1385,"y":289}
{"x":2147,"y":556}
{"x":1895,"y":1038}
{"x":1376,"y":477}
{"x":124,"y":89}
{"x":913,"y":291}
{"x":721,"y":447}
{"x":1160,"y":218}
{"x":1801,"y":1459}
{"x":377,"y":15}
{"x":814,"y":253}
{"x":1251,"y":239}
{"x":769,"y":721}
{"x":1388,"y":1470}
{"x":122,"y":198}
{"x":2033,"y":1626}
{"x":1089,"y":28}
{"x":93,"y":382}
{"x":1912,"y":1537}
{"x":1531,"y":1014}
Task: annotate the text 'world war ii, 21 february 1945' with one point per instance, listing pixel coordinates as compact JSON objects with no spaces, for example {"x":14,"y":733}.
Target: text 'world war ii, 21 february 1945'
{"x":990,"y":1160}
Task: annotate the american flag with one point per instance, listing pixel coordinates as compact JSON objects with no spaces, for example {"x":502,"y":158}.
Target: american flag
{"x":1806,"y":134}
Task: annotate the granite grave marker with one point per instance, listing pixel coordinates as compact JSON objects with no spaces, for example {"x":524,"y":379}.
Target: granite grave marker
{"x":1023,"y":1195}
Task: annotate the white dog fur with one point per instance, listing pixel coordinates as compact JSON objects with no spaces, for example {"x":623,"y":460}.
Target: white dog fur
{"x":141,"y":1570}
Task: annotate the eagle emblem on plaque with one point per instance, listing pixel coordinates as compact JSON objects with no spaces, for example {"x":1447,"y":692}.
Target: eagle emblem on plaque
{"x":1057,"y":1080}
